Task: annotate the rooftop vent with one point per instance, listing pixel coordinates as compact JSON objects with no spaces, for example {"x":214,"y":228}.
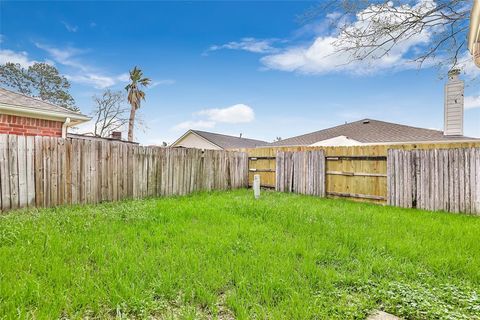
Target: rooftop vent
{"x":366,"y":121}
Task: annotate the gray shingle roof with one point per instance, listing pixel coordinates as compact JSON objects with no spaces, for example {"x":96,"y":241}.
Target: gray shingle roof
{"x":15,"y":99}
{"x":230,"y":142}
{"x":371,"y":131}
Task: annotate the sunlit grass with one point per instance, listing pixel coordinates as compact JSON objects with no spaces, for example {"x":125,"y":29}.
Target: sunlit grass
{"x":226,"y":255}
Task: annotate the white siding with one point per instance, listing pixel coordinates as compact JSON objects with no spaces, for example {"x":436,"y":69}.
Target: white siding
{"x":336,"y":142}
{"x":192,"y":140}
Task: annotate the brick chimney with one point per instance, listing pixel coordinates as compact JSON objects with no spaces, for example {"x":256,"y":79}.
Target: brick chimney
{"x":453,"y":114}
{"x":117,"y":135}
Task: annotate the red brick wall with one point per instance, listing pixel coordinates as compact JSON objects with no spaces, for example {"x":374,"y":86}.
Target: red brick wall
{"x":29,"y":126}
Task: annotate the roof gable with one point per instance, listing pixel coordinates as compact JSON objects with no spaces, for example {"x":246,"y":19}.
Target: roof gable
{"x":191,"y":138}
{"x":229,"y":142}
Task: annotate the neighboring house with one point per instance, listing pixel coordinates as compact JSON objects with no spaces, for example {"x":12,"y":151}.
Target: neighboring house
{"x":27,"y":116}
{"x":369,"y":131}
{"x":474,"y":34}
{"x":214,"y":141}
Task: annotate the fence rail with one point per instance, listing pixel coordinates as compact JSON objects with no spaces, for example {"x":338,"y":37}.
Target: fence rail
{"x":46,"y":172}
{"x":446,"y":179}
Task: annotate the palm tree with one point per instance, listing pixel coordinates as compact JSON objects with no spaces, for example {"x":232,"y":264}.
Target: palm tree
{"x":135,"y":96}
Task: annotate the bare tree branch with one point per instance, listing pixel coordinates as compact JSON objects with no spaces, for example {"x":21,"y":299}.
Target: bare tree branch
{"x":380,"y":28}
{"x":110,"y":113}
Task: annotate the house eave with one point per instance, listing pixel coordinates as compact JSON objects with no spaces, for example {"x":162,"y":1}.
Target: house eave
{"x":15,"y":110}
{"x":474,"y":34}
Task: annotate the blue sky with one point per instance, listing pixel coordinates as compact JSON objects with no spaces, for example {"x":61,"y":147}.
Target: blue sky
{"x":229,"y":67}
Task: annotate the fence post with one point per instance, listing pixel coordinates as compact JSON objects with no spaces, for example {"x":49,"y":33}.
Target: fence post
{"x":256,"y":186}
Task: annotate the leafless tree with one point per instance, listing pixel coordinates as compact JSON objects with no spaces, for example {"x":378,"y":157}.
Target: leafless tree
{"x":377,"y":28}
{"x":110,"y":113}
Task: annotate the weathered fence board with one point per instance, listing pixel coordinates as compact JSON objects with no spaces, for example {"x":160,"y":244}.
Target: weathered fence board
{"x":437,"y":179}
{"x":47,"y":172}
{"x":13,"y":170}
{"x":301,"y":172}
{"x":30,"y":163}
{"x":4,"y":173}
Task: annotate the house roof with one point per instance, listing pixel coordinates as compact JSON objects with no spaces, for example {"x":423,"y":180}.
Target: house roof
{"x":20,"y":104}
{"x":372,"y":131}
{"x":95,"y":138}
{"x":227,"y":142}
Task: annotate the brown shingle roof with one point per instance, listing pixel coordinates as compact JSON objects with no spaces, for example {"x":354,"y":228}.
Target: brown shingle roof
{"x":371,"y":131}
{"x":15,"y":99}
{"x":230,"y":142}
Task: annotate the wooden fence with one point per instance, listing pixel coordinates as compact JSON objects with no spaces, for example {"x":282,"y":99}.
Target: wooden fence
{"x":46,"y":172}
{"x":301,"y":172}
{"x":446,"y":179}
{"x":357,"y":172}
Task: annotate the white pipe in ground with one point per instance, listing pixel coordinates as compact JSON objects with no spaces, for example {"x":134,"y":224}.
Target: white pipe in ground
{"x":256,"y":186}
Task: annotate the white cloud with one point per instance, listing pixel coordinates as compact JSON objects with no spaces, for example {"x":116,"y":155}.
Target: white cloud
{"x":124,"y":77}
{"x":76,"y":71}
{"x":164,"y":82}
{"x":239,"y":113}
{"x":15,"y":57}
{"x":66,"y":56}
{"x":472,"y":102}
{"x":80,"y":72}
{"x":322,"y":55}
{"x":247,"y":44}
{"x":69,"y":27}
{"x":96,"y":80}
{"x":200,"y":124}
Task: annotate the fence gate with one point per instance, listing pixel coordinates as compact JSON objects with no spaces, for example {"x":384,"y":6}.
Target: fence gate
{"x":357,"y":177}
{"x":301,"y":172}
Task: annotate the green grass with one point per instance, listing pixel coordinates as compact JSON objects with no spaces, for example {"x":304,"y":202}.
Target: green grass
{"x":225,"y":255}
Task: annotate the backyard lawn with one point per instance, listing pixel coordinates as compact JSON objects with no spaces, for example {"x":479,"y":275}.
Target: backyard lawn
{"x":224,"y":255}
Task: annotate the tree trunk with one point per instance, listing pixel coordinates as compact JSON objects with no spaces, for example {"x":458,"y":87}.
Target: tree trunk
{"x":131,"y":123}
